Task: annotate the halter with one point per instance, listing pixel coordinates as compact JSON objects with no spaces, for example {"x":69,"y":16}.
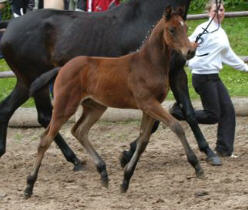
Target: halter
{"x":205,"y":31}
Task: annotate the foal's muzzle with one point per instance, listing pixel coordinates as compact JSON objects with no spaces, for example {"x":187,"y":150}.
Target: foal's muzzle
{"x":190,"y":54}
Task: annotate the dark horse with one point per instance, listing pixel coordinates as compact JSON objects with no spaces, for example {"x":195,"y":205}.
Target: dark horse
{"x":41,"y":40}
{"x":139,"y":80}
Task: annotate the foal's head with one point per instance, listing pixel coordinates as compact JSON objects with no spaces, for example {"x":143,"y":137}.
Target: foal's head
{"x":175,"y":32}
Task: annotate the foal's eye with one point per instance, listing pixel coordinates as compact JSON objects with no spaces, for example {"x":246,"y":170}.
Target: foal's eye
{"x":172,"y":30}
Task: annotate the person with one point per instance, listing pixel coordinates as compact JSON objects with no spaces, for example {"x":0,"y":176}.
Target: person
{"x":213,"y":49}
{"x":100,"y":5}
{"x":38,"y":4}
{"x":54,"y":4}
{"x":20,"y":7}
{"x":94,"y":5}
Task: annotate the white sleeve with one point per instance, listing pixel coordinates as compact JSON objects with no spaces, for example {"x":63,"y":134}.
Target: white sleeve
{"x":196,"y":32}
{"x":231,"y":59}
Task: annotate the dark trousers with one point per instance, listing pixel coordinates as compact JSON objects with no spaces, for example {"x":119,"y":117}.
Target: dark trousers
{"x":218,"y":108}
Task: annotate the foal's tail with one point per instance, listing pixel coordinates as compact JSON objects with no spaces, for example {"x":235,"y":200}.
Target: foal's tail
{"x":43,"y":80}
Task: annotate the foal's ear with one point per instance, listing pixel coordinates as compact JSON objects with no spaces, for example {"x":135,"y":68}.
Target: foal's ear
{"x":167,"y":12}
{"x":181,"y":11}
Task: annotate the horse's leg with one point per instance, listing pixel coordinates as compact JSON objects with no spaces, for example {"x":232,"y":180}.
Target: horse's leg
{"x":44,"y":109}
{"x":91,"y":113}
{"x":156,"y":111}
{"x":145,"y":133}
{"x":7,"y":107}
{"x":179,"y":86}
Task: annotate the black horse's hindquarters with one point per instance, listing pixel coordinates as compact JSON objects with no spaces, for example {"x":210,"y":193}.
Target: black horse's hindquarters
{"x":40,"y":40}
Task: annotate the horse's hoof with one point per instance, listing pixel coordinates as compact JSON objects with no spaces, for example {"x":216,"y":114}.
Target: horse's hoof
{"x":214,"y":160}
{"x":124,"y":158}
{"x":80,"y":166}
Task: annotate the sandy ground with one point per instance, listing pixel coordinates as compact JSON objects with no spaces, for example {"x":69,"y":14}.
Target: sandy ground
{"x":163,"y":179}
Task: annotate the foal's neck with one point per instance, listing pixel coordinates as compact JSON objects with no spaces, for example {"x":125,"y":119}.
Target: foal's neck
{"x":155,"y":49}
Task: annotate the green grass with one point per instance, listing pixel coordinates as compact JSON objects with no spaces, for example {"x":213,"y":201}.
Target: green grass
{"x":8,"y":84}
{"x":235,"y":81}
{"x":198,"y":7}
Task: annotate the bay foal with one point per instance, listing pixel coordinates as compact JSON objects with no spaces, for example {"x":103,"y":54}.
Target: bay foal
{"x":136,"y":81}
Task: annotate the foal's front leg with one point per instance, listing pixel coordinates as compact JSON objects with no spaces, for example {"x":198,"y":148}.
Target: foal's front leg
{"x":44,"y":109}
{"x":142,"y":141}
{"x":156,"y":111}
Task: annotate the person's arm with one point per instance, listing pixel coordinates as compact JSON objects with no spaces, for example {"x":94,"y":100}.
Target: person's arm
{"x":196,"y":32}
{"x":231,"y":59}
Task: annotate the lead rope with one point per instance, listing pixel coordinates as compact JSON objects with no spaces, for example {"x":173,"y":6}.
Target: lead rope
{"x":205,"y":31}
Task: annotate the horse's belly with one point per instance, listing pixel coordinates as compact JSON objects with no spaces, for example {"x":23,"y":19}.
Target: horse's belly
{"x":119,"y":100}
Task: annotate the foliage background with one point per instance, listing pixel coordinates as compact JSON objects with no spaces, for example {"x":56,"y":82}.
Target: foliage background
{"x":197,"y":6}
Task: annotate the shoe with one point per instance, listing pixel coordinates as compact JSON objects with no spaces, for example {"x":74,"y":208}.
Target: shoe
{"x":224,"y":154}
{"x":234,"y":156}
{"x":176,"y":112}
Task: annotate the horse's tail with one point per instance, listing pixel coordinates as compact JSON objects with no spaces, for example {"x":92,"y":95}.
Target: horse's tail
{"x":4,"y":24}
{"x":43,"y":80}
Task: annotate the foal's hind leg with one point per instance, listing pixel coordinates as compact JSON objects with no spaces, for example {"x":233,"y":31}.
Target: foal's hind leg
{"x":155,"y":110}
{"x":127,"y":155}
{"x":145,"y":133}
{"x":45,"y":142}
{"x":7,"y":107}
{"x":91,"y":113}
{"x":64,"y":107}
{"x":31,"y":179}
{"x":44,"y":109}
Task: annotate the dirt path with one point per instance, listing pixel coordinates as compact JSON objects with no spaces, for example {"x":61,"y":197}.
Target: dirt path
{"x":163,"y":178}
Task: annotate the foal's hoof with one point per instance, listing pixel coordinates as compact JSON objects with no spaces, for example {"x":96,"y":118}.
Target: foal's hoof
{"x":124,"y":186}
{"x":124,"y":158}
{"x":200,"y":174}
{"x":123,"y":189}
{"x":80,"y":166}
{"x":105,"y":182}
{"x":27,"y":193}
{"x":214,"y":160}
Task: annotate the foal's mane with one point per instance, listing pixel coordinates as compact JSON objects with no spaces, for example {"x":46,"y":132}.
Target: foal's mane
{"x":156,"y":29}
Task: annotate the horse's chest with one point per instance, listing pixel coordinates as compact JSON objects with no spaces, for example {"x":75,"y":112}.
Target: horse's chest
{"x":162,"y":90}
{"x":158,"y":86}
